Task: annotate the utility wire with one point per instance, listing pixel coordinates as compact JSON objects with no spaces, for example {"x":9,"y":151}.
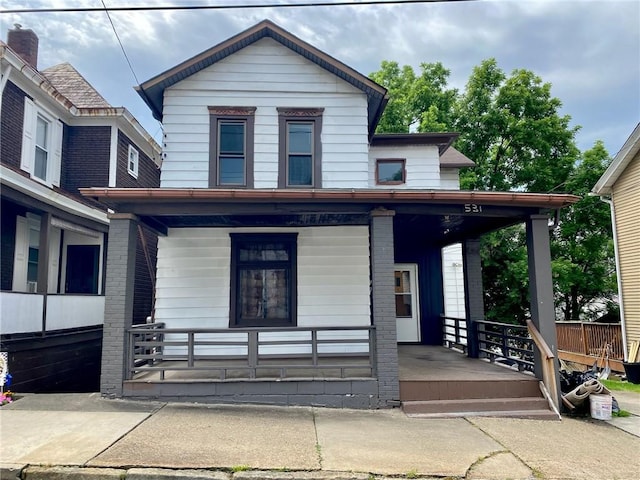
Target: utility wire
{"x":124,"y":52}
{"x":225,"y":7}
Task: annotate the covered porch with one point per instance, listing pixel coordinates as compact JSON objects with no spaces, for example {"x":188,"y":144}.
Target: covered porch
{"x":353,"y":363}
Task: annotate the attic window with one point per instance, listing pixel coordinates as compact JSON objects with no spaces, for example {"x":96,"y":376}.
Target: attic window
{"x":132,"y":162}
{"x":390,"y":171}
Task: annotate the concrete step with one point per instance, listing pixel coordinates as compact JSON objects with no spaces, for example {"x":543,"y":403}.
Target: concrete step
{"x":414,"y":390}
{"x":526,"y":407}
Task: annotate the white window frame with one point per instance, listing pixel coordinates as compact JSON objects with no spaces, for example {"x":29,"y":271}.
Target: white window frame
{"x":133,"y":170}
{"x":32,"y":112}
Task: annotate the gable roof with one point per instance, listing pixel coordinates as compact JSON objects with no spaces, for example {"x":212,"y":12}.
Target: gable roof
{"x":152,"y":91}
{"x":70,"y":83}
{"x":627,"y":153}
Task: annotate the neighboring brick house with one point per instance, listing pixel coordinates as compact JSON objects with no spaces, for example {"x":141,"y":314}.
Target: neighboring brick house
{"x":620,"y":187}
{"x":58,"y":135}
{"x":297,"y":247}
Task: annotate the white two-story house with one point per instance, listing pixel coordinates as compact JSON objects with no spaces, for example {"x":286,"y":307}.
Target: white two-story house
{"x":297,"y":247}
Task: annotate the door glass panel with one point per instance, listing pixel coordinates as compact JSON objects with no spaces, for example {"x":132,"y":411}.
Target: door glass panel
{"x":403,"y":293}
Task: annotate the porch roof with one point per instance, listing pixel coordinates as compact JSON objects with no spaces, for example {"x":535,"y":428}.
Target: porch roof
{"x":444,"y":216}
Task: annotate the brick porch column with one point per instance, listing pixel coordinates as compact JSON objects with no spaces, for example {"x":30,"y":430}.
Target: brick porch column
{"x":118,"y":310}
{"x":543,"y":312}
{"x":383,"y":306}
{"x":473,"y":292}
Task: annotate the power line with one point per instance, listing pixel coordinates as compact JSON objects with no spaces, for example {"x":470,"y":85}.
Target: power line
{"x":224,"y":7}
{"x":120,"y":42}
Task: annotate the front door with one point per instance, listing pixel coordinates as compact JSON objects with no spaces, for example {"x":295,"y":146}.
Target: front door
{"x":406,"y":292}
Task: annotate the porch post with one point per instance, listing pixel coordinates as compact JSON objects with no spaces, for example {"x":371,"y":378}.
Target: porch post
{"x":541,"y":286}
{"x":43,"y":265}
{"x":473,"y":292}
{"x":118,"y":310}
{"x":383,"y":306}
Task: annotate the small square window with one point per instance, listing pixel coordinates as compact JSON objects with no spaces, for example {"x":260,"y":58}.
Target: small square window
{"x":390,"y":171}
{"x":132,"y":162}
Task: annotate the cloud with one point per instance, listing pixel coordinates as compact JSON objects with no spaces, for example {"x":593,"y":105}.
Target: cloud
{"x":588,"y":50}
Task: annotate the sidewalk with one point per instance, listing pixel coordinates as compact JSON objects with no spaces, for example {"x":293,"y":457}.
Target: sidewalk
{"x":84,"y":436}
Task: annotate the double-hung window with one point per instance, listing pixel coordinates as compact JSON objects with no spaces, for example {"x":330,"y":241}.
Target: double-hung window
{"x":263,"y":280}
{"x":41,"y":144}
{"x":300,"y":149}
{"x":231,"y":147}
{"x":133,"y":158}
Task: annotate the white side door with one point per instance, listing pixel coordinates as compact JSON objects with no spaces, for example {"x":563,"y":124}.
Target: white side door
{"x":407,"y":311}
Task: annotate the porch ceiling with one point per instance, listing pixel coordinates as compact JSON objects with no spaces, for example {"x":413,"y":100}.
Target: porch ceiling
{"x":441,"y":216}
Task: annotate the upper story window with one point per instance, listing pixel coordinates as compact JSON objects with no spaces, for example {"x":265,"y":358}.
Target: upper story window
{"x":390,"y":171}
{"x":300,"y":148}
{"x":132,"y":161}
{"x":41,"y":144}
{"x":231,"y":147}
{"x":43,"y":140}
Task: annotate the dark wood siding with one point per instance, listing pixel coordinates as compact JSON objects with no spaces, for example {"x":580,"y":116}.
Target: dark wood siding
{"x":11,"y":125}
{"x":148,"y":171}
{"x":148,"y":176}
{"x":62,"y":362}
{"x":143,"y":295}
{"x":85,"y":160}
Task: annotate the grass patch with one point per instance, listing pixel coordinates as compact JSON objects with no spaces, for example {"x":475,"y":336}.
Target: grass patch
{"x":240,"y":468}
{"x":621,"y":413}
{"x":620,"y":386}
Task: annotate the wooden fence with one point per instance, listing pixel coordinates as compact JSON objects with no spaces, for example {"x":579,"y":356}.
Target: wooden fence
{"x":587,"y":343}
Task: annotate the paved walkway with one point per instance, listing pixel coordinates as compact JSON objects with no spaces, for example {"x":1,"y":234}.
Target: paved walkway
{"x":84,"y":436}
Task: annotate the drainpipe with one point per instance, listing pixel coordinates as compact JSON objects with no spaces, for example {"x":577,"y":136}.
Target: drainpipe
{"x":619,"y":280}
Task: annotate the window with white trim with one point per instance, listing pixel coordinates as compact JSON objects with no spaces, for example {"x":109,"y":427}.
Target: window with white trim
{"x":132,"y":161}
{"x":41,"y":144}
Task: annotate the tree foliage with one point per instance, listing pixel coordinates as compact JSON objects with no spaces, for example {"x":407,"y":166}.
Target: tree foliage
{"x":512,"y":128}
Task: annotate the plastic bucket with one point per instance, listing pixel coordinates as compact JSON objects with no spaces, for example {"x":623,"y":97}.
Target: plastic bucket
{"x":600,"y":406}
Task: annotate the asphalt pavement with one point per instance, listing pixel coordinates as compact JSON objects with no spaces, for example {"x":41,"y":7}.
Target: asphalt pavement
{"x":78,"y":436}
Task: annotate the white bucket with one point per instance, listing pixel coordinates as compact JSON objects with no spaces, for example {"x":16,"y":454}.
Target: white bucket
{"x":600,"y":406}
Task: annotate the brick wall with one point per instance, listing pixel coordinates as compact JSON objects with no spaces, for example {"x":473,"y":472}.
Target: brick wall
{"x":11,"y":125}
{"x":85,"y":161}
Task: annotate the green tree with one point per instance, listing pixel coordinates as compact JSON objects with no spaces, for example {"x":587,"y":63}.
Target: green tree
{"x":582,"y":245}
{"x":420,"y":102}
{"x":511,"y":127}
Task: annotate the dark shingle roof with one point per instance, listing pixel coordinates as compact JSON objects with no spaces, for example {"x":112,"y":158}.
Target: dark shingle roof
{"x":68,"y":81}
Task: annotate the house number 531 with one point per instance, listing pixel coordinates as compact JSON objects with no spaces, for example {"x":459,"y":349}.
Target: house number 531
{"x":472,"y":208}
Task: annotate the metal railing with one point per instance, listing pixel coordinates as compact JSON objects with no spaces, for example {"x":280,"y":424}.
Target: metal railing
{"x":252,"y":353}
{"x":493,"y":340}
{"x":509,"y":342}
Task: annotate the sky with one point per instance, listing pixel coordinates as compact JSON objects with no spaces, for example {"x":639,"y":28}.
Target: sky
{"x":589,"y":50}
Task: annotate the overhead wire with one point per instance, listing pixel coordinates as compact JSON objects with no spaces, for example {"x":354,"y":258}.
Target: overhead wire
{"x":225,"y":7}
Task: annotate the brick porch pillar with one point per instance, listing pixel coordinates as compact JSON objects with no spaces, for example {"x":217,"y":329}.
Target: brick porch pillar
{"x":383,"y":306}
{"x":118,"y":310}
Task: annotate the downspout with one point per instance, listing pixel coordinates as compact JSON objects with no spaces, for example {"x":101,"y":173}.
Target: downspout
{"x":618,"y":278}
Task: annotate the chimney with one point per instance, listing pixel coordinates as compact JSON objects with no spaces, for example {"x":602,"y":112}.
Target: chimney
{"x":25,"y":44}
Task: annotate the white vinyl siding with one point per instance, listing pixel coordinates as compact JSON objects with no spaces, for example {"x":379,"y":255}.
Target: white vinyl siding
{"x":626,"y":198}
{"x":265,"y":75}
{"x":453,"y":281}
{"x":193,"y":276}
{"x":422,"y":167}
